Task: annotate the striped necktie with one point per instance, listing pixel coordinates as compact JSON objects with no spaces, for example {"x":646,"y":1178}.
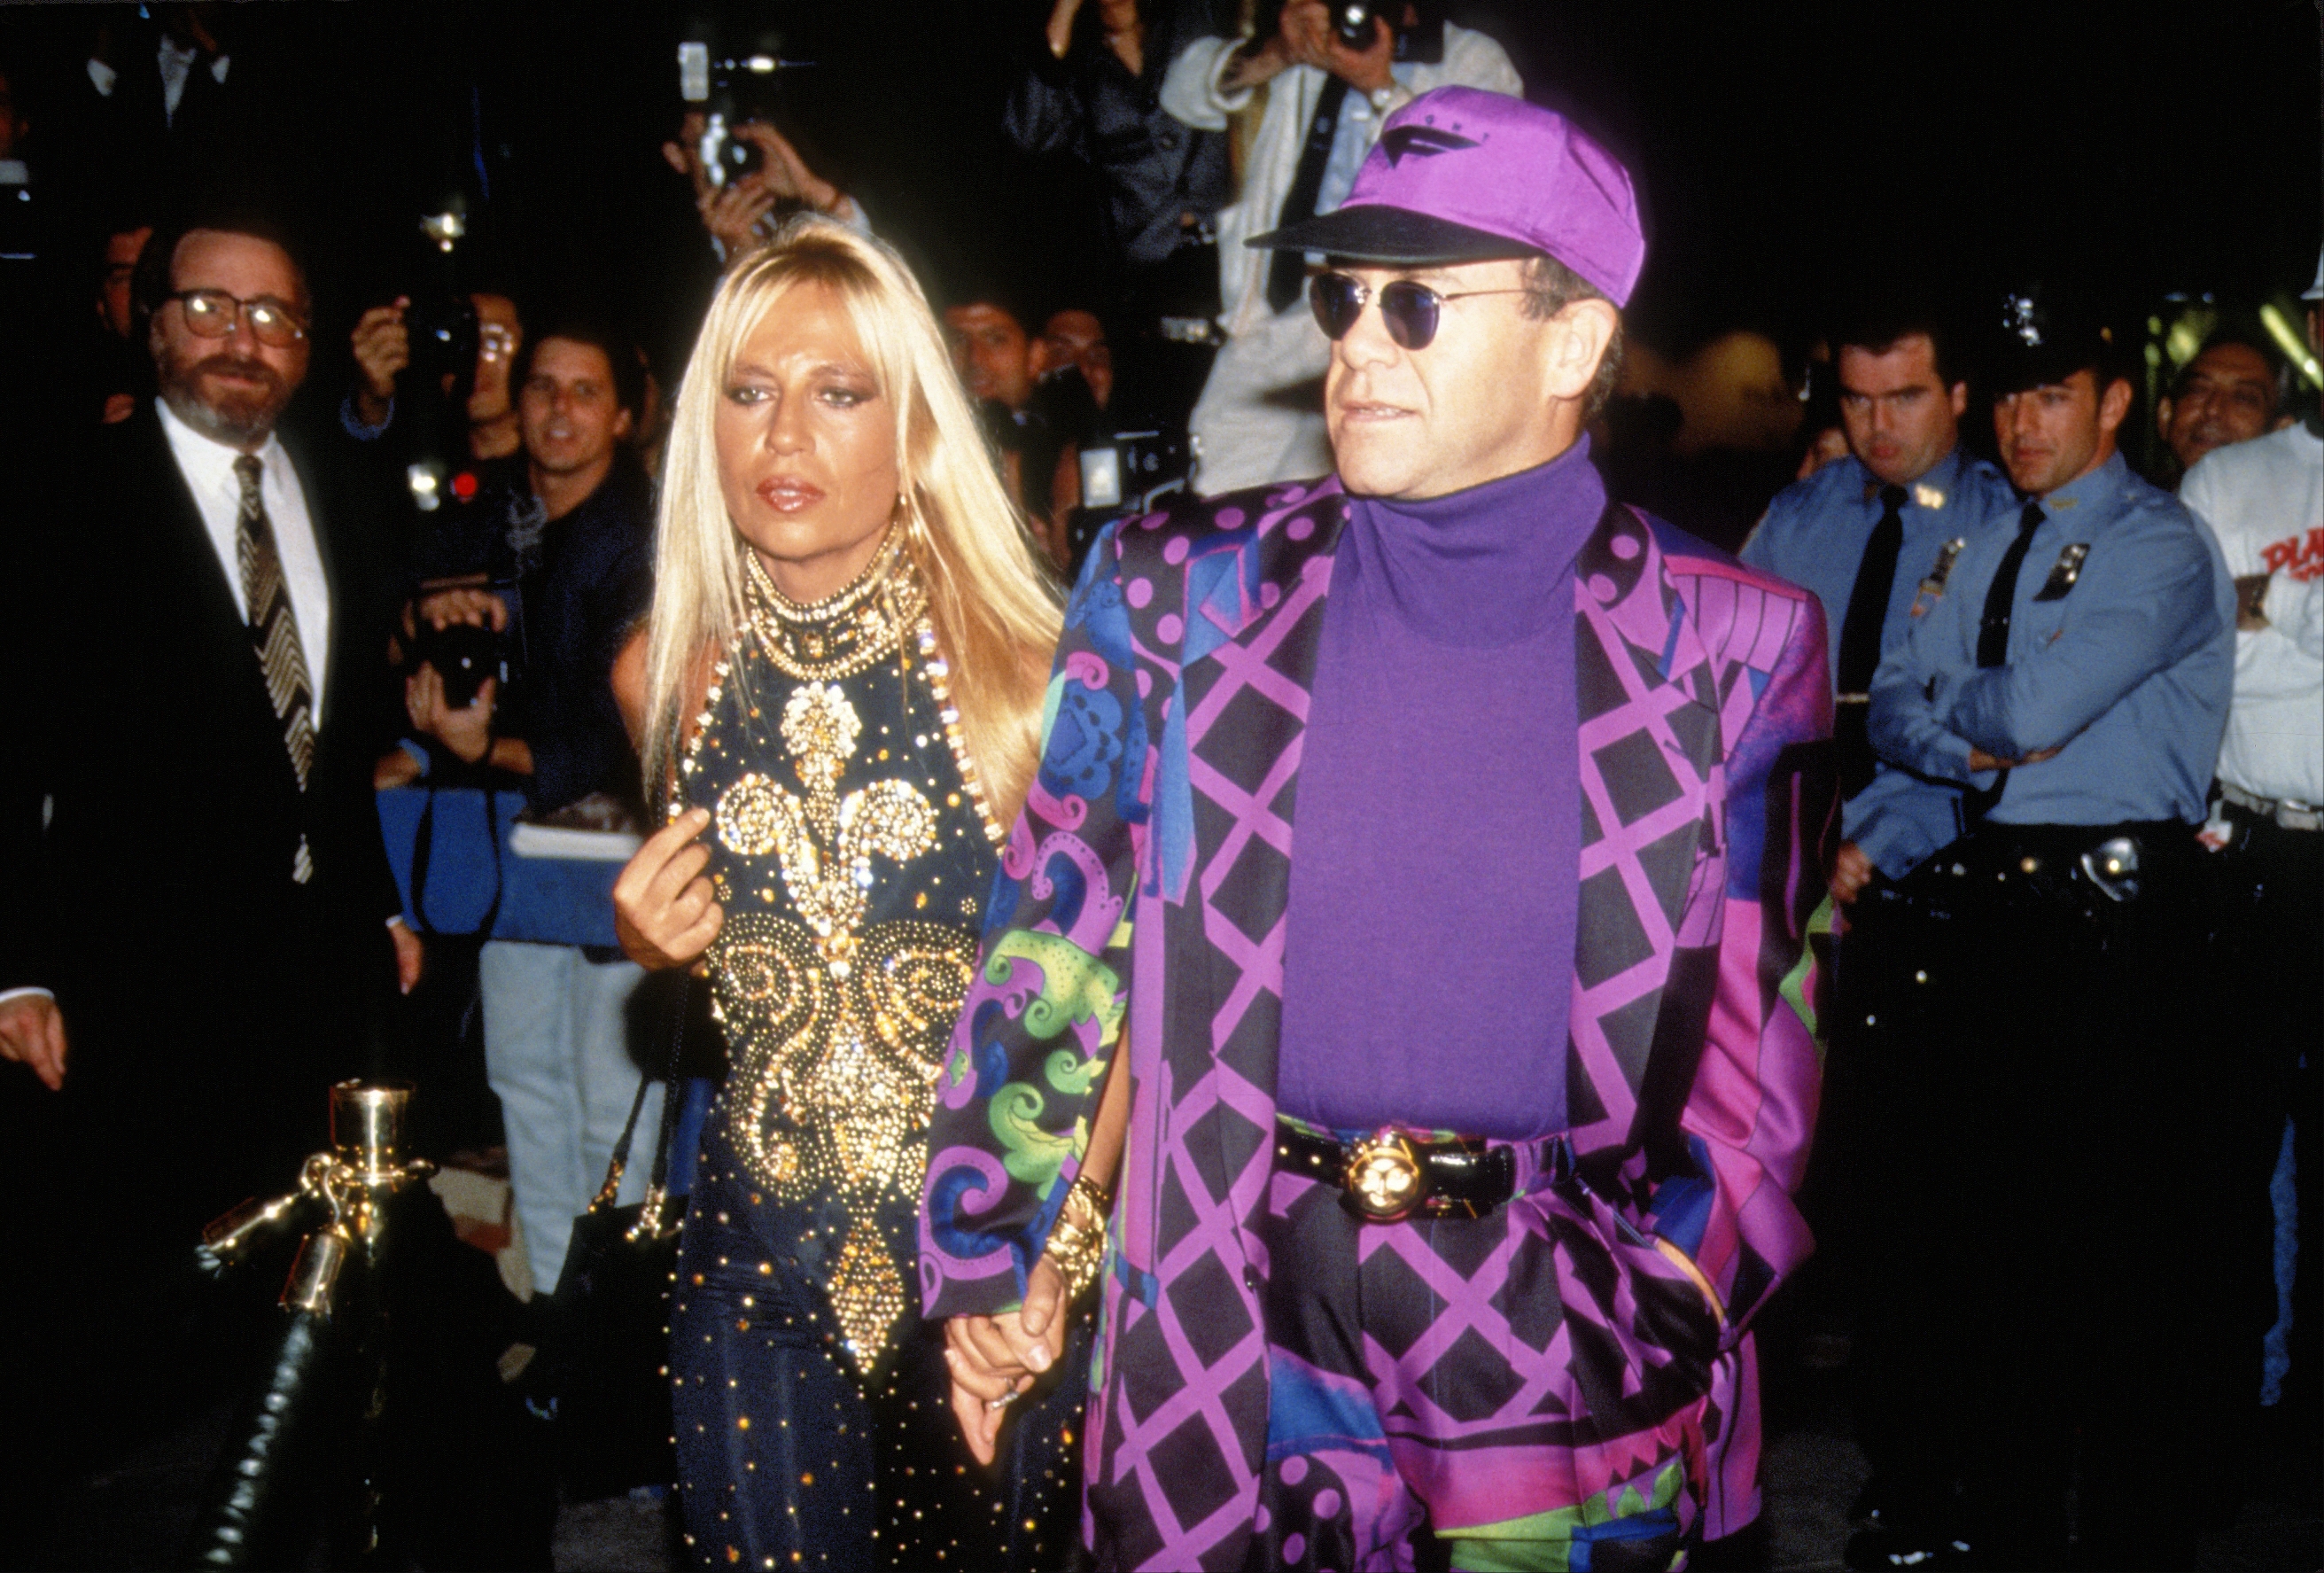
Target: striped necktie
{"x":274,"y":635}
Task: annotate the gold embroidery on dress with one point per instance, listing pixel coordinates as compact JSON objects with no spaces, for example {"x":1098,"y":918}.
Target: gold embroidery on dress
{"x":837,"y":1028}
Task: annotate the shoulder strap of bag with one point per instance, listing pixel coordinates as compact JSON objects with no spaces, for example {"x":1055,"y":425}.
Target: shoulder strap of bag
{"x":423,"y":848}
{"x":669,"y":1108}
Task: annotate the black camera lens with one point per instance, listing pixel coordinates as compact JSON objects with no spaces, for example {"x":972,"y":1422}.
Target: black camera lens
{"x":463,"y":654}
{"x":740,"y":156}
{"x":443,"y":334}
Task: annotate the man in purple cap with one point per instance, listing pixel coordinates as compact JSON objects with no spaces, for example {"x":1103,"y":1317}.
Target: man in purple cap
{"x":1439,"y":839}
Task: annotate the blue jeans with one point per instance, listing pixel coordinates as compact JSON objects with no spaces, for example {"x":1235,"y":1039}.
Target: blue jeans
{"x":556,"y":1052}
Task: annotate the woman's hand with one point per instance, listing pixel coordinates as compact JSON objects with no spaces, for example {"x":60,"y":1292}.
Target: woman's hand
{"x":665,"y":913}
{"x":995,"y":1359}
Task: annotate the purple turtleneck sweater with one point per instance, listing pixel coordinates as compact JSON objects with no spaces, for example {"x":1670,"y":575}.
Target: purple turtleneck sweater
{"x":1429,"y":956}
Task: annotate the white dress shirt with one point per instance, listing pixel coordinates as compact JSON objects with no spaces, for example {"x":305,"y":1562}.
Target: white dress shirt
{"x":207,"y":466}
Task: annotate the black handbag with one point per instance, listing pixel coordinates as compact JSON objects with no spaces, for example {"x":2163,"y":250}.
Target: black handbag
{"x":609,"y":1318}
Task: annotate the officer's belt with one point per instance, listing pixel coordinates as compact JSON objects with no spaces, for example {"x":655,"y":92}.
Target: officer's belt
{"x":2090,"y":867}
{"x":1390,"y":1174}
{"x":2284,"y":813}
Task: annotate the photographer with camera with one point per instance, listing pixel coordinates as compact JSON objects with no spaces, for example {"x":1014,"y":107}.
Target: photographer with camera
{"x":1333,"y":75}
{"x":1089,"y":92}
{"x":382,"y":341}
{"x":750,"y":180}
{"x":509,"y":678}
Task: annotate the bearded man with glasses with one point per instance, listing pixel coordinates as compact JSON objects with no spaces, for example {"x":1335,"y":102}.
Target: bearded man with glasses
{"x":1439,"y":840}
{"x":197,"y":926}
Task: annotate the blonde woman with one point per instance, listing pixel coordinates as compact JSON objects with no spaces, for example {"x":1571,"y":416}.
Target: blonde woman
{"x":844,"y":674}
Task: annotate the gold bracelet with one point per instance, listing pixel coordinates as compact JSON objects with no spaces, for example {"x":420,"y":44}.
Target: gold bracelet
{"x":1076,"y":1243}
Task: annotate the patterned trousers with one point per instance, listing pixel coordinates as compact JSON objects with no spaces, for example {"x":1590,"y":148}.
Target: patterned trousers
{"x":1515,"y":1383}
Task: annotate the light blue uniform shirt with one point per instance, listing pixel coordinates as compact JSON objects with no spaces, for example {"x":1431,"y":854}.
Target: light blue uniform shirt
{"x":1814,"y":535}
{"x":2123,"y":661}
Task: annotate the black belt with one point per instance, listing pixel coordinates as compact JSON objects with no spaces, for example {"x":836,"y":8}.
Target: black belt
{"x":1391,"y":1175}
{"x":2091,"y":867}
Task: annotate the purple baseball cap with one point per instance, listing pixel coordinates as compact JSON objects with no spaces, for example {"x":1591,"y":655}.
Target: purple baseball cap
{"x":1462,"y":175}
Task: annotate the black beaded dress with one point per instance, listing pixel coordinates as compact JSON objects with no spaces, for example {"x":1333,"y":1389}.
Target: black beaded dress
{"x":851,"y":852}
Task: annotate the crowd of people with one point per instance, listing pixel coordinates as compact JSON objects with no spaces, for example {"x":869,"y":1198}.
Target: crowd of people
{"x":1944,"y":874}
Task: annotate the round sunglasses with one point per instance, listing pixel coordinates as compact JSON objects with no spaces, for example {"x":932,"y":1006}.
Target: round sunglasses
{"x":1410,"y":310}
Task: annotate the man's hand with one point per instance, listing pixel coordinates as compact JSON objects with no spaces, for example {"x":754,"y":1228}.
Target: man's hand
{"x":994,"y":1359}
{"x":1311,"y":39}
{"x":785,"y":172}
{"x":396,"y":768}
{"x":1061,"y":25}
{"x":1260,"y":60}
{"x":469,"y":603}
{"x":467,"y":731}
{"x":411,"y":957}
{"x":731,"y":216}
{"x":1851,"y":871}
{"x":33,"y":1033}
{"x":2251,"y":602}
{"x":1979,"y":759}
{"x":1365,"y":70}
{"x":383,"y":347}
{"x":665,"y":913}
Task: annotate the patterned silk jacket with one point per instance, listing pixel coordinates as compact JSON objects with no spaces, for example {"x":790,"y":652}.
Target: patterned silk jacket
{"x":1145,"y":887}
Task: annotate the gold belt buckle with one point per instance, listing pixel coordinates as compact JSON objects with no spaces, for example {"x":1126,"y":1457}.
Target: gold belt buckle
{"x":1385,"y":1179}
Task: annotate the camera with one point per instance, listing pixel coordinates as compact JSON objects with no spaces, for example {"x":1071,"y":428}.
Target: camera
{"x":732,"y":91}
{"x":1126,"y":477}
{"x":463,"y":654}
{"x":1417,"y":29}
{"x":442,"y":329}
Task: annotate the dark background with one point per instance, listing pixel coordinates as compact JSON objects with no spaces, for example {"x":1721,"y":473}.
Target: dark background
{"x":2142,"y":150}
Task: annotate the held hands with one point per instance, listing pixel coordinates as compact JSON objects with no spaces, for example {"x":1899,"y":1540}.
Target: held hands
{"x":996,"y":1359}
{"x":33,"y":1033}
{"x":665,"y":913}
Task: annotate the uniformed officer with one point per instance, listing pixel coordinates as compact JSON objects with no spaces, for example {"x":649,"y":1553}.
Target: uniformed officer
{"x":2074,"y":679}
{"x":1876,"y":536}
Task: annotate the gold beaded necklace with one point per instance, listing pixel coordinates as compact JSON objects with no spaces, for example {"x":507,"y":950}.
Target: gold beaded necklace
{"x":845,"y":633}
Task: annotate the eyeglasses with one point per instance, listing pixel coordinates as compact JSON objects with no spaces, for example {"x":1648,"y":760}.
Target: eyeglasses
{"x":212,"y":314}
{"x":1409,"y":310}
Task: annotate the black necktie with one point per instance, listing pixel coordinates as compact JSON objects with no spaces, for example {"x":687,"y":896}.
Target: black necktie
{"x":1286,"y":273}
{"x":1993,"y":628}
{"x":1859,"y":640}
{"x":1993,"y":638}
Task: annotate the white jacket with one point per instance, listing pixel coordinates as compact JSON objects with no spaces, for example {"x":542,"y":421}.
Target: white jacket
{"x":2265,"y":501}
{"x":1256,"y":421}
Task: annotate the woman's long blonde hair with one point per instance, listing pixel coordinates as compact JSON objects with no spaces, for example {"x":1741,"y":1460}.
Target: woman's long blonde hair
{"x":994,"y":610}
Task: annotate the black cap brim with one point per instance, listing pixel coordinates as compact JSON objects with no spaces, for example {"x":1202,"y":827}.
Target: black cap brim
{"x":1394,"y":236}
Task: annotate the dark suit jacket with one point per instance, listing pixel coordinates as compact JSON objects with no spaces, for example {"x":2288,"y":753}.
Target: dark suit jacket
{"x":150,"y":813}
